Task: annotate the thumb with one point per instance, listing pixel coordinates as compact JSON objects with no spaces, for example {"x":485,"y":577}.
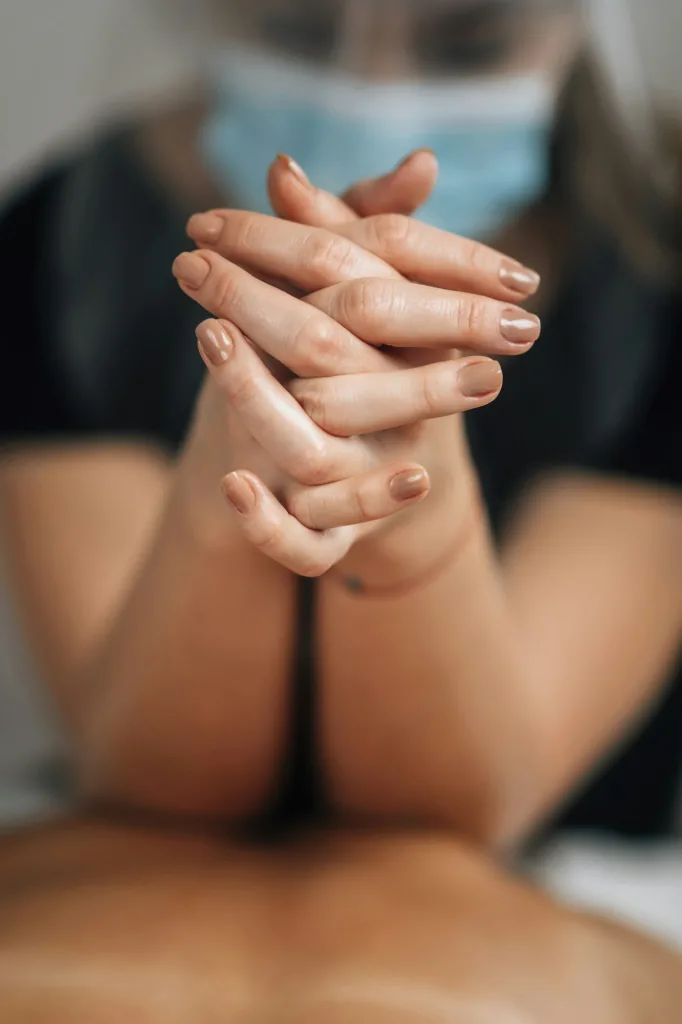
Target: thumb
{"x":402,"y":190}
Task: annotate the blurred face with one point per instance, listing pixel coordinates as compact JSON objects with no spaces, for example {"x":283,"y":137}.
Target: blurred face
{"x":399,"y":39}
{"x":350,"y":87}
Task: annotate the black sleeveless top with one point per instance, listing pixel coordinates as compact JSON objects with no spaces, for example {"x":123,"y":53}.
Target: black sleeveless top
{"x":98,"y":341}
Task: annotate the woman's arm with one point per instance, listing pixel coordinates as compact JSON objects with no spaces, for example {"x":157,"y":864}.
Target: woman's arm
{"x":479,"y":699}
{"x":167,"y":650}
{"x":521,"y":669}
{"x":168,"y":646}
{"x":444,"y":704}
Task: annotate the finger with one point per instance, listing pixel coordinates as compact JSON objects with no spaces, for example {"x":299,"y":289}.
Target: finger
{"x":293,"y":197}
{"x":271,"y":414}
{"x":386,"y":245}
{"x":279,"y":535}
{"x":361,"y":499}
{"x":431,"y":256}
{"x":403,"y":190}
{"x":308,"y":257}
{"x":292,"y":332}
{"x":402,"y":314}
{"x":366,"y":403}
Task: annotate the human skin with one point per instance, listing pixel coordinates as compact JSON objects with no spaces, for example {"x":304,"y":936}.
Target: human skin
{"x":112,"y":923}
{"x":118,"y":582}
{"x":521,"y":686}
{"x":136,"y":586}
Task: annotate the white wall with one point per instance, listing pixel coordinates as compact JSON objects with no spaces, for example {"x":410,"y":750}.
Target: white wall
{"x":659,"y":25}
{"x":64,"y":62}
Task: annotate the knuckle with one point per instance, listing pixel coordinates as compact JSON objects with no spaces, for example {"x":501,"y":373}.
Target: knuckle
{"x":308,"y":396}
{"x":316,"y":347}
{"x":300,"y":506}
{"x":313,"y":467}
{"x":227,"y":290}
{"x":326,"y":404}
{"x":471,"y":317}
{"x":270,"y":540}
{"x":429,"y":393}
{"x":240,"y":389}
{"x":242,"y":231}
{"x":475,"y":255}
{"x":315,"y":567}
{"x":393,"y":230}
{"x":356,"y":300}
{"x":319,"y":412}
{"x":363,"y":299}
{"x":363,"y":505}
{"x":331,"y":257}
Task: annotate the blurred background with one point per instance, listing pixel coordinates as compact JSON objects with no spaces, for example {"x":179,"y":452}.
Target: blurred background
{"x":66,"y":65}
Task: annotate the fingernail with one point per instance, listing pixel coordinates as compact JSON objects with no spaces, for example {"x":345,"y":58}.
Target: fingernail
{"x":191,"y":269}
{"x":205,"y":227}
{"x":295,"y":168}
{"x":215,"y":344}
{"x":478,"y":379}
{"x":519,"y":278}
{"x":239,"y":493}
{"x":409,"y":484}
{"x":519,"y":327}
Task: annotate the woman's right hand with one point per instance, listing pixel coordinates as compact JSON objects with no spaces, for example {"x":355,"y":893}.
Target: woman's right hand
{"x":219,"y":441}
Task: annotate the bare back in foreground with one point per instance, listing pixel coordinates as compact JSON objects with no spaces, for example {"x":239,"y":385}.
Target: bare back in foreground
{"x":105,"y":923}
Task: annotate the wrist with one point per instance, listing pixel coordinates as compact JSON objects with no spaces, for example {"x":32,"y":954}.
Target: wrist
{"x":417,"y":546}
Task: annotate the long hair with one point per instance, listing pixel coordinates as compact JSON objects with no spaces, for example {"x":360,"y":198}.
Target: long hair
{"x":598,"y":171}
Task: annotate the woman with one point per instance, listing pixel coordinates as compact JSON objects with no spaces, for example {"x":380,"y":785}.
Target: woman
{"x":457,"y":681}
{"x":173,"y":648}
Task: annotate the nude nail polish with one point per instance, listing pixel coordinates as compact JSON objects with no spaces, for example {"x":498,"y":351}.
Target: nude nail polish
{"x":191,"y":269}
{"x":239,"y":493}
{"x":519,"y":327}
{"x":409,"y":484}
{"x":479,"y":379}
{"x":215,"y":344}
{"x":205,"y":227}
{"x":519,"y":279}
{"x":294,"y":168}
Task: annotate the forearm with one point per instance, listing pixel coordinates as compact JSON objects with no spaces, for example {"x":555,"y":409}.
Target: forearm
{"x":183,"y":706}
{"x":166,"y":646}
{"x":422,"y":717}
{"x":479,"y":699}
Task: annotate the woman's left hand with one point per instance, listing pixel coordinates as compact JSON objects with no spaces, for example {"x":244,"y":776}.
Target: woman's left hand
{"x":359,"y":434}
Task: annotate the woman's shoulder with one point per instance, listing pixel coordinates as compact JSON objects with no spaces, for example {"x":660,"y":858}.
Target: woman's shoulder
{"x":126,"y":168}
{"x":65,"y":203}
{"x":85,"y":253}
{"x":41,"y":183}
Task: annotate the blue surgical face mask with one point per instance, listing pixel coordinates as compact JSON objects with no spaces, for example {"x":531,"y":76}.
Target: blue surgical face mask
{"x":491,"y":135}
